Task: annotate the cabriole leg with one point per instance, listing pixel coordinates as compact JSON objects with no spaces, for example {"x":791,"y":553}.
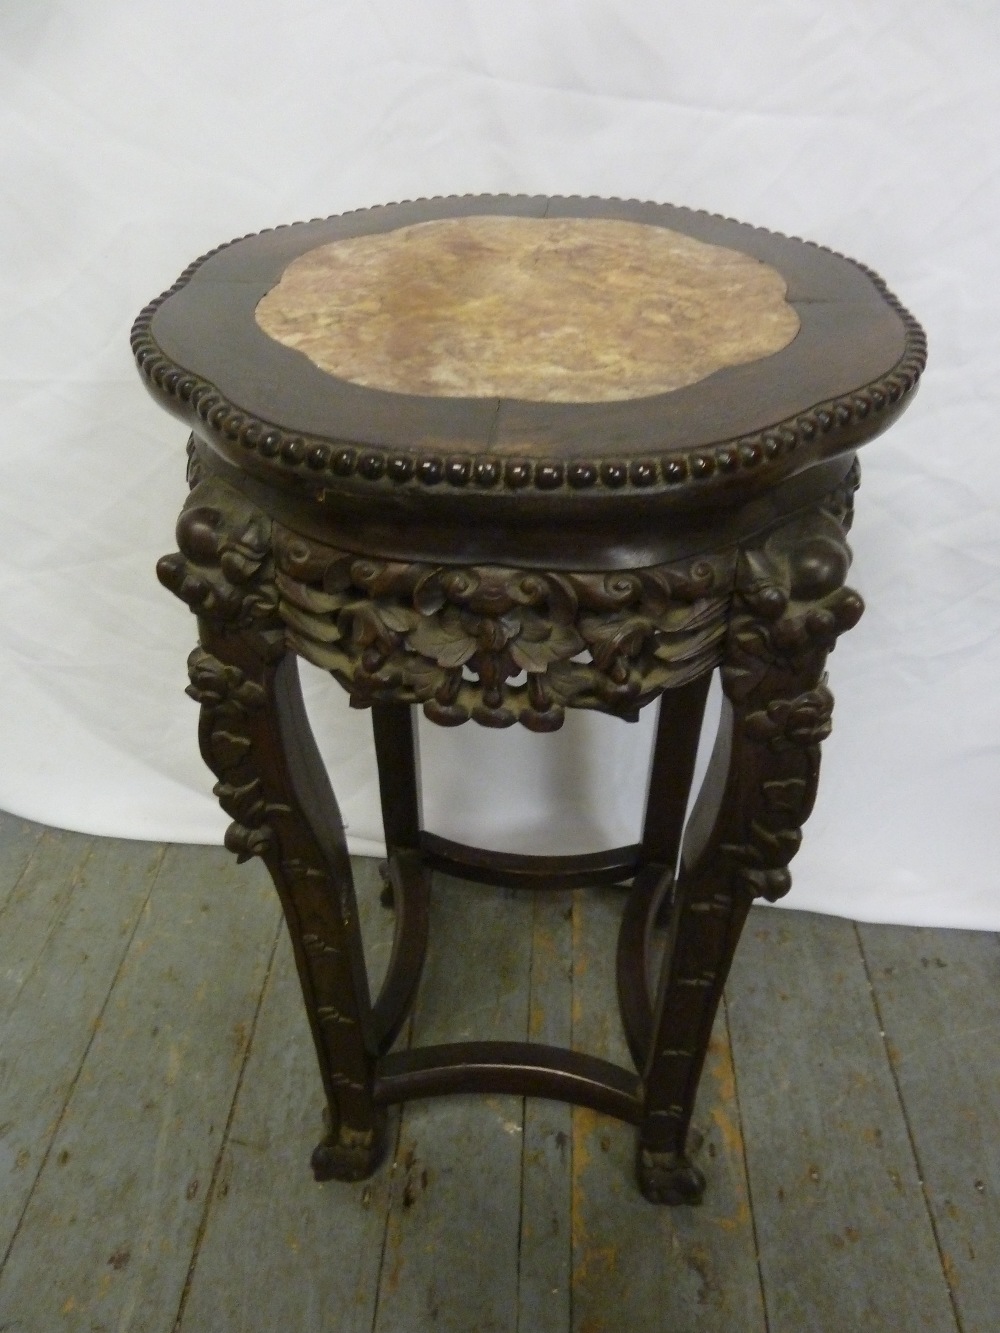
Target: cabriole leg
{"x":255,"y":737}
{"x":790,"y":606}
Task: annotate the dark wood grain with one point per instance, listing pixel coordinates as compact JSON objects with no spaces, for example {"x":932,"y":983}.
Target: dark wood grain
{"x":526,"y":1068}
{"x":518,"y":870}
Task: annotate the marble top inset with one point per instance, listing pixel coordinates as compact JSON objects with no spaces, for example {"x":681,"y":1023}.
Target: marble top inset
{"x":538,"y":309}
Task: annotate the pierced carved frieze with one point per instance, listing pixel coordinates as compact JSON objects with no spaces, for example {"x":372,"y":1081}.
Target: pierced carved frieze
{"x":500,"y":645}
{"x":496,"y":645}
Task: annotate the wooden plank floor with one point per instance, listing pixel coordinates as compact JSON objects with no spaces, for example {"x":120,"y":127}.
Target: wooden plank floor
{"x":158,"y":1104}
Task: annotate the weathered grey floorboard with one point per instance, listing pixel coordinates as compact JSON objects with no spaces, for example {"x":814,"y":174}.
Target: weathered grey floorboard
{"x":47,"y":1029}
{"x":146,"y":1205}
{"x":35,"y":905}
{"x":18,"y":839}
{"x":938,"y":996}
{"x":280,"y":1252}
{"x":636,"y":1265}
{"x":451,"y":1253}
{"x":107,"y":1237}
{"x":845,"y":1238}
{"x":545,"y":1253}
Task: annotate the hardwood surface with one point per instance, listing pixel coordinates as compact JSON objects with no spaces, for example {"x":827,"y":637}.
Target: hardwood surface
{"x":159,"y":1102}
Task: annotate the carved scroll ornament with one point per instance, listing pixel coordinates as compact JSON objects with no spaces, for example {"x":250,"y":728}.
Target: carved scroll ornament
{"x":790,"y":608}
{"x":224,"y":570}
{"x":227,"y":699}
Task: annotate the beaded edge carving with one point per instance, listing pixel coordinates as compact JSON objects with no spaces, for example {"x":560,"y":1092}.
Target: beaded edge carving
{"x":288,"y":451}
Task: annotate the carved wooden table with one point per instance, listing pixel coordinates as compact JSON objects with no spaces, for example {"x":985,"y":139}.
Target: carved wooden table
{"x":501,"y":457}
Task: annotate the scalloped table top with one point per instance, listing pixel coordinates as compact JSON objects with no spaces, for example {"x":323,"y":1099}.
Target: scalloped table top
{"x":606,"y":379}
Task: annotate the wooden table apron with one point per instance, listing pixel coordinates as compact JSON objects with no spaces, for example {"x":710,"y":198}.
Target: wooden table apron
{"x":505,"y":587}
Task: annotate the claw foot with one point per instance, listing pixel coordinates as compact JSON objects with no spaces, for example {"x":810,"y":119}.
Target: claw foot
{"x":669,"y":1177}
{"x":350,"y":1154}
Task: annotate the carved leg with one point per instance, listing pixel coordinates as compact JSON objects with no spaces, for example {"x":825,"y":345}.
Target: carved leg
{"x":394,"y":731}
{"x":678,"y":728}
{"x":408,"y":881}
{"x":255,"y":736}
{"x":790,"y":606}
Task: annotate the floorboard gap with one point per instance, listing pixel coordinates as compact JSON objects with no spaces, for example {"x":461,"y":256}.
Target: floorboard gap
{"x":406,"y":1043}
{"x":746,"y":1171}
{"x":224,"y":1139}
{"x":909,"y":1129}
{"x":573,"y":1220}
{"x":59,"y":918}
{"x":12,"y":890}
{"x":524,"y":1125}
{"x":83,"y":1058}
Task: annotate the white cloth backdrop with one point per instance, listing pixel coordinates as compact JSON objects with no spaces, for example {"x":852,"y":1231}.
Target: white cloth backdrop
{"x":136,"y":135}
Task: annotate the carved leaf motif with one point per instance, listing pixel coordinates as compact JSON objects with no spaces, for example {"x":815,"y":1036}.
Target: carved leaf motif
{"x":608,"y":638}
{"x":400,"y":619}
{"x":248,"y":694}
{"x":702,"y":614}
{"x":229,"y":749}
{"x":786,"y":796}
{"x":673,"y":646}
{"x":789,"y":608}
{"x":446,"y":643}
{"x":248,"y":842}
{"x":368,"y":627}
{"x":428,"y":594}
{"x":240,"y":564}
{"x":317,"y":628}
{"x":242,"y":801}
{"x":777,"y":846}
{"x":213,"y":684}
{"x":802,"y":721}
{"x":309,"y":599}
{"x":423,"y":676}
{"x":533,"y":655}
{"x":757,"y":571}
